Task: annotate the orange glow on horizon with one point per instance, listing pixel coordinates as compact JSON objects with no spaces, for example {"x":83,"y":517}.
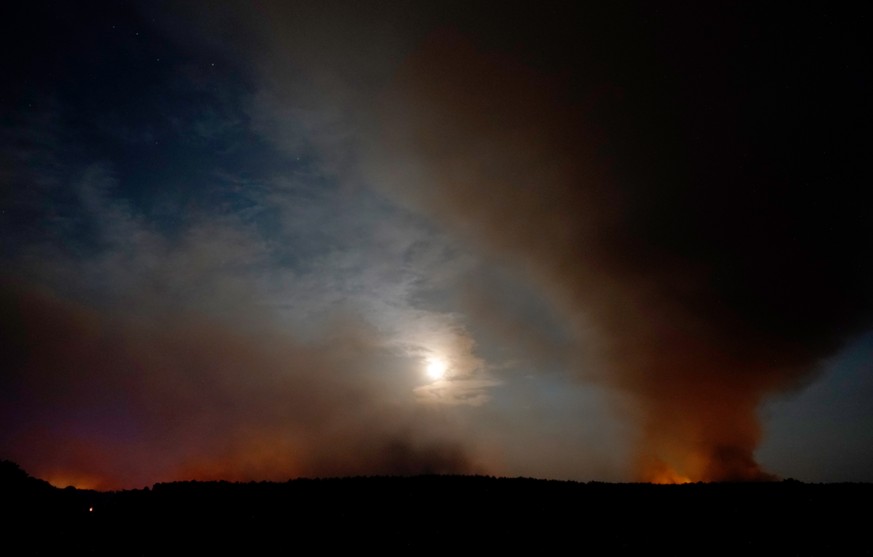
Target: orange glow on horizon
{"x":659,"y":472}
{"x":668,"y":476}
{"x":72,"y":479}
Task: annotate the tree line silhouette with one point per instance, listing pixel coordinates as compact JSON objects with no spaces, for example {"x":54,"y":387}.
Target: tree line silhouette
{"x":479,"y":513}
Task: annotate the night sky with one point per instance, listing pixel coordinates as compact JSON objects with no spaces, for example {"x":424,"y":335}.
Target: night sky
{"x":590,"y":241}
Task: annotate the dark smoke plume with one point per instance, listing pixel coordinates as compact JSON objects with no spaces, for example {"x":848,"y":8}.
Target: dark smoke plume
{"x":688,"y":187}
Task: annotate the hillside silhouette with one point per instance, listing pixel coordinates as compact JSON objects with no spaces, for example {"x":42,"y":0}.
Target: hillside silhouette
{"x":463,"y":513}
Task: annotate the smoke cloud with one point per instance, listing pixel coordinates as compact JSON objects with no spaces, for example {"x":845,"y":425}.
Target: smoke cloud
{"x":96,"y":399}
{"x":229,"y":275}
{"x":706,"y":239}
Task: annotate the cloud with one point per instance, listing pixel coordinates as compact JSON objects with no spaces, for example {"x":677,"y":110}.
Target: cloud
{"x":671,"y":210}
{"x":130,"y":399}
{"x":696,"y":281}
{"x":201,"y":340}
{"x":472,"y":391}
{"x":141,"y":356}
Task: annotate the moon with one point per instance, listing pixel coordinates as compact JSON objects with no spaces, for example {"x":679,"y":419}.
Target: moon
{"x":436,"y":368}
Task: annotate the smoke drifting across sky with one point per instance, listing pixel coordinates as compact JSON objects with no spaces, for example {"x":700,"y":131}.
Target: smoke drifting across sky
{"x":233,"y":235}
{"x":693,"y":200}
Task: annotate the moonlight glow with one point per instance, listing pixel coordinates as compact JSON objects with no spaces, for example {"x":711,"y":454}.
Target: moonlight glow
{"x":436,"y":368}
{"x":593,"y":242}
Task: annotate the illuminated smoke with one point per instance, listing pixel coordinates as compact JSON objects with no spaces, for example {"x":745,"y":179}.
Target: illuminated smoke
{"x":101,"y":400}
{"x":707,"y":257}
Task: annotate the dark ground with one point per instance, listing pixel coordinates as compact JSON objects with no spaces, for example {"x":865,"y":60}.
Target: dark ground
{"x":457,"y":513}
